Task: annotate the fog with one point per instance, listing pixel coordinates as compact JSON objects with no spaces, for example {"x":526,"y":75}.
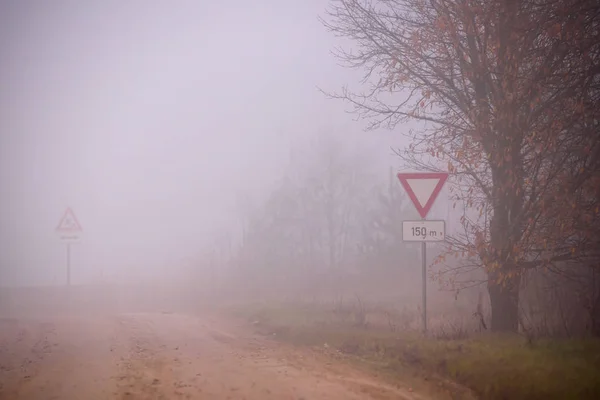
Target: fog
{"x":151,"y":120}
{"x":239,"y":211}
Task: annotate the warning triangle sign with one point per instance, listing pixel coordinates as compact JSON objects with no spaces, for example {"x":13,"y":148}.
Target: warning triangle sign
{"x":423,"y":188}
{"x":68,"y":223}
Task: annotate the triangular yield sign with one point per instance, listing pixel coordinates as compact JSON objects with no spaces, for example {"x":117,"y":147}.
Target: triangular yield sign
{"x":423,"y":188}
{"x":68,"y":222}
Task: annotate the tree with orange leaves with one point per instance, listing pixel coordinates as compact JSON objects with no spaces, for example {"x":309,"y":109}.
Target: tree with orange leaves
{"x":508,"y":94}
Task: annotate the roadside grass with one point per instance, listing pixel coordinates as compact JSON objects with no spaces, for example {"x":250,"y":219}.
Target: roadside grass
{"x":492,"y":366}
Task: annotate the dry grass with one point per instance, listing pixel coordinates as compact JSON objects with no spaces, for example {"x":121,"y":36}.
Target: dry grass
{"x":494,"y":367}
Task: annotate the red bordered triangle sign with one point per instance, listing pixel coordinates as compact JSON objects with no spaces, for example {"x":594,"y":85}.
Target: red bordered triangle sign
{"x":423,"y":188}
{"x":68,"y":223}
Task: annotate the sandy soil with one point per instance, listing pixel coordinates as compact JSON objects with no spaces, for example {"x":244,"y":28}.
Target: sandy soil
{"x":167,"y":356}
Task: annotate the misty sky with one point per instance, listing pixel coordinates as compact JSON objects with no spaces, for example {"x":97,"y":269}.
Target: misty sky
{"x":148,"y":118}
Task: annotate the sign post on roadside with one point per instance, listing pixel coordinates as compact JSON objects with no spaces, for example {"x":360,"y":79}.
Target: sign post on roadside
{"x":69,"y":230}
{"x":423,"y":188}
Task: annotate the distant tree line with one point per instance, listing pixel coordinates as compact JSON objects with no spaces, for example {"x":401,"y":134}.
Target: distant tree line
{"x":507,"y":93}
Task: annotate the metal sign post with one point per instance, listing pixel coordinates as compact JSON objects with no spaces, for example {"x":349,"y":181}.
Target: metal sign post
{"x":69,"y":230}
{"x":423,"y":189}
{"x":68,"y":263}
{"x":424,"y":278}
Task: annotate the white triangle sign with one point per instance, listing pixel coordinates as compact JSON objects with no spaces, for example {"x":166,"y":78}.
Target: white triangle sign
{"x":68,"y":223}
{"x":423,"y":188}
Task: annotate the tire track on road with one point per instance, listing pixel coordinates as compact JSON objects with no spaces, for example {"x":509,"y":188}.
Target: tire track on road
{"x":145,"y":368}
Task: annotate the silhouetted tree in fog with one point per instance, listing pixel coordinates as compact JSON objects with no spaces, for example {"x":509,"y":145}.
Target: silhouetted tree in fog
{"x":508,"y":95}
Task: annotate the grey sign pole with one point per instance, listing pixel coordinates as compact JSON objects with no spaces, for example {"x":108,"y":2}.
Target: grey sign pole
{"x":68,"y":264}
{"x":424,"y":277}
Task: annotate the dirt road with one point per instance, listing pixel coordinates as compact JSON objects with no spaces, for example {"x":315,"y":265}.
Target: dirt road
{"x":166,"y":356}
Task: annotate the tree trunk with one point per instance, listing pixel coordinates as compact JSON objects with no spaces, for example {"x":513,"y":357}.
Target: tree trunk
{"x":504,"y":277}
{"x":595,"y":315}
{"x":504,"y":300}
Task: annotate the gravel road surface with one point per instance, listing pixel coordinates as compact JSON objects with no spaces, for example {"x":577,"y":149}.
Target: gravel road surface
{"x":167,"y":356}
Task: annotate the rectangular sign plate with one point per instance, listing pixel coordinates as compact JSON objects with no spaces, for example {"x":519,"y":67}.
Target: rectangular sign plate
{"x":423,"y":231}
